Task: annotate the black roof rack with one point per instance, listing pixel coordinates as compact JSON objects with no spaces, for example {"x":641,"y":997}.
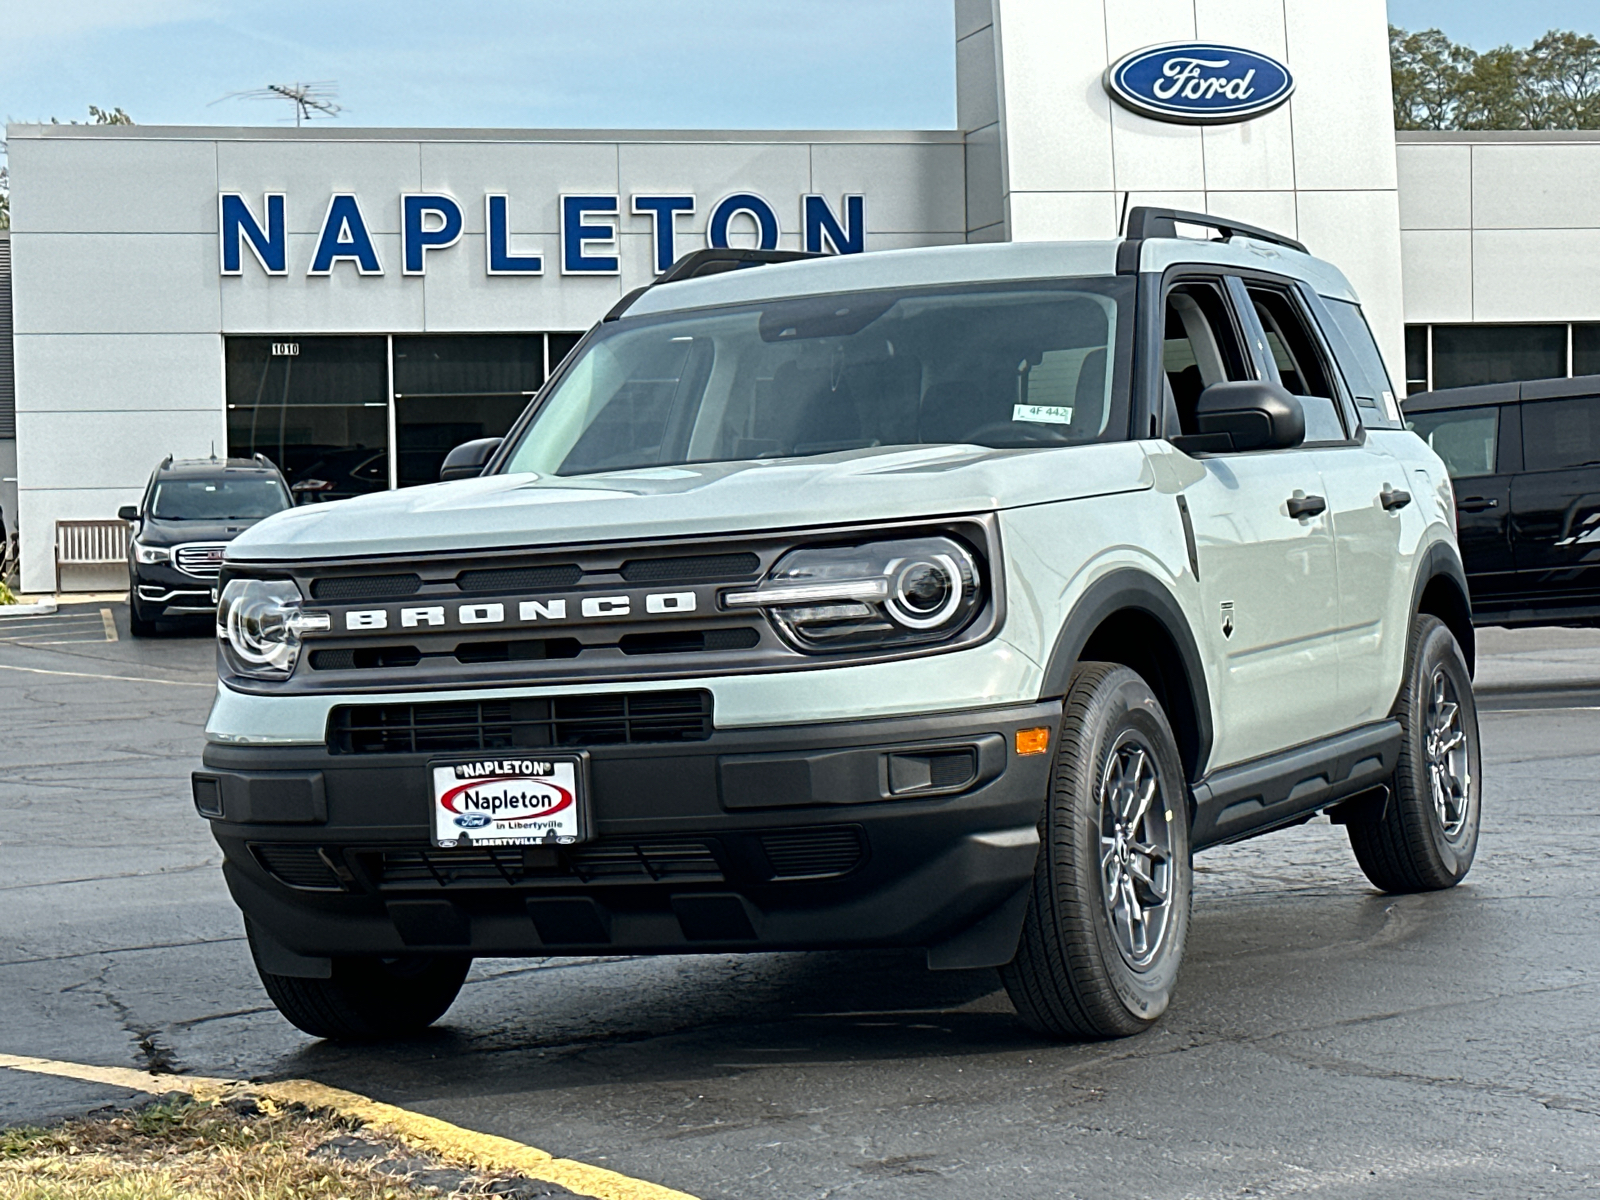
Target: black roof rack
{"x":1163,"y":223}
{"x":699,"y":263}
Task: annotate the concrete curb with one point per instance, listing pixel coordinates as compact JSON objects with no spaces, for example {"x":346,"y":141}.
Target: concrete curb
{"x":43,"y":609}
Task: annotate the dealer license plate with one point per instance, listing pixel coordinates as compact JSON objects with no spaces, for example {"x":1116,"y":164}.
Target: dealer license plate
{"x":509,"y":802}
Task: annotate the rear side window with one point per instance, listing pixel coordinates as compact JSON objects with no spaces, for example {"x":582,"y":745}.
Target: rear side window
{"x":1466,"y":438}
{"x":1559,"y":434}
{"x":1363,"y":366}
{"x":1299,"y":364}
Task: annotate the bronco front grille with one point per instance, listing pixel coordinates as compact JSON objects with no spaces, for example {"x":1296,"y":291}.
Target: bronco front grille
{"x":618,"y":718}
{"x":649,"y":860}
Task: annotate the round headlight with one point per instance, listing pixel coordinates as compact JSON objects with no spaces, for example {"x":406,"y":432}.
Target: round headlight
{"x":926,"y":592}
{"x":259,"y":623}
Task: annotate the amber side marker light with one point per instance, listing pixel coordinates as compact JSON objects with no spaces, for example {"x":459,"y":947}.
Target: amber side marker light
{"x":1033,"y":741}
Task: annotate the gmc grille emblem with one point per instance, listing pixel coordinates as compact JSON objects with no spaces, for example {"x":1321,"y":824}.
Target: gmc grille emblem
{"x":426,"y":616}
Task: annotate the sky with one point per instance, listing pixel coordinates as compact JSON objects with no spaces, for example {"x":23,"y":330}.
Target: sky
{"x":797,"y":64}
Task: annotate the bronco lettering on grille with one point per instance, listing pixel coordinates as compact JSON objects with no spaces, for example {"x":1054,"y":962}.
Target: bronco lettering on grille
{"x":481,"y":613}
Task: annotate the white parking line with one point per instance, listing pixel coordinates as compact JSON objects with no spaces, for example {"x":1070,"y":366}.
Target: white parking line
{"x":119,"y":678}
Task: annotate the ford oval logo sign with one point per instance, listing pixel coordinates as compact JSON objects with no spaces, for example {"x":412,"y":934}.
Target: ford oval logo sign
{"x":1199,"y":83}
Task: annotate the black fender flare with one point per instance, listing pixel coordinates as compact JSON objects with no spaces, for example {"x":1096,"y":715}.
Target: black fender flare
{"x":1443,"y":560}
{"x":1128,"y":588}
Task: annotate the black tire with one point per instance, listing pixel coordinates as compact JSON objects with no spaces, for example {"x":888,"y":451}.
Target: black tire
{"x":1073,"y":975}
{"x":138,"y":625}
{"x":370,"y":999}
{"x":1422,"y":841}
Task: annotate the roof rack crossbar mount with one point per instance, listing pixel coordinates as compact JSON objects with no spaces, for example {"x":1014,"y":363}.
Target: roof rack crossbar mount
{"x":715,"y":261}
{"x":1146,"y":222}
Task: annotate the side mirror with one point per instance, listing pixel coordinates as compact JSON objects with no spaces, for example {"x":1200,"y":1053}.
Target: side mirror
{"x":1251,"y":414}
{"x":128,"y":512}
{"x":466,"y":461}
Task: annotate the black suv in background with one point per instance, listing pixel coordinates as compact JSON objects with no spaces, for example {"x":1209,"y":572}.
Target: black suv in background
{"x":192,"y":508}
{"x":1525,"y":459}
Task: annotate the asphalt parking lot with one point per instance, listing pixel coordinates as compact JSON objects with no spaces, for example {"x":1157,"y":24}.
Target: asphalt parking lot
{"x":1327,"y":1040}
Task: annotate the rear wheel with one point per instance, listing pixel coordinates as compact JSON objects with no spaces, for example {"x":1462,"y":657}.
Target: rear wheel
{"x":370,"y":999}
{"x":1109,"y":915}
{"x":1426,"y":836}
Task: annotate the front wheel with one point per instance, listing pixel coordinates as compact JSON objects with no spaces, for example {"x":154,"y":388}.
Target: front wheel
{"x":1426,"y":836}
{"x":1109,"y":913}
{"x":370,"y":999}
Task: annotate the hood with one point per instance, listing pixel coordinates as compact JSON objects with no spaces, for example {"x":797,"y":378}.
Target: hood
{"x":527,"y":510}
{"x":154,"y":532}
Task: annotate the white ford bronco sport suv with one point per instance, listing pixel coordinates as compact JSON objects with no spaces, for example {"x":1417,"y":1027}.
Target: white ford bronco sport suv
{"x":946,"y":598}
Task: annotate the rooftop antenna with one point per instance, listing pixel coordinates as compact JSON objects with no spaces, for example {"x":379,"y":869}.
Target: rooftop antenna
{"x":310,"y":100}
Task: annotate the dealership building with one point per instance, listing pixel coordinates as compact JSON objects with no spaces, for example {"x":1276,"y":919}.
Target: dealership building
{"x":353,"y":302}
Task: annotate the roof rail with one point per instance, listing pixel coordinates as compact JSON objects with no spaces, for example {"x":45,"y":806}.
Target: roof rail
{"x":699,"y":263}
{"x":1163,"y":222}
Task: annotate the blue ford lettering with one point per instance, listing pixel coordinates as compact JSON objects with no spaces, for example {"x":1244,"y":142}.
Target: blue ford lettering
{"x":1199,"y":83}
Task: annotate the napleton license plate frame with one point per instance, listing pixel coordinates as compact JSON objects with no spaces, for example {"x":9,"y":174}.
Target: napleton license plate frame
{"x":500,"y":773}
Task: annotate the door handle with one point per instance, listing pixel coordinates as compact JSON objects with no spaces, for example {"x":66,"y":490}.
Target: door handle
{"x":1307,"y":506}
{"x":1393,"y":498}
{"x":1477,"y":504}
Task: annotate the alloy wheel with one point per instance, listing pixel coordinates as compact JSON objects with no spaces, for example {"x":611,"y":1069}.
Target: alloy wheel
{"x":1135,"y":851}
{"x":1449,"y":756}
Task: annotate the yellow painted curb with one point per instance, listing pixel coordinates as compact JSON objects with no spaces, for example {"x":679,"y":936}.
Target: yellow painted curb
{"x":482,"y":1150}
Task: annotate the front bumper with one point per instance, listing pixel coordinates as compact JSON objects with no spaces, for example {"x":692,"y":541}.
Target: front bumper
{"x":161,"y":590}
{"x":913,"y":831}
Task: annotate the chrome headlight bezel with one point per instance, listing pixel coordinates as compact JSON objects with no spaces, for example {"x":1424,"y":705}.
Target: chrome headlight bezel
{"x":261,"y":625}
{"x":882,"y":594}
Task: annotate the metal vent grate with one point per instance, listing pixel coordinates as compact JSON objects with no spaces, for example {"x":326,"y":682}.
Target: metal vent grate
{"x":473,"y":725}
{"x":699,"y":567}
{"x":365,"y":587}
{"x":813,"y":853}
{"x":299,"y":866}
{"x":645,"y":861}
{"x":519,"y":579}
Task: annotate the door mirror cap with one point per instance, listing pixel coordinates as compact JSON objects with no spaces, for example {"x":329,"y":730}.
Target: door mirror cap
{"x":1253,"y":414}
{"x":467,"y":460}
{"x":128,"y":512}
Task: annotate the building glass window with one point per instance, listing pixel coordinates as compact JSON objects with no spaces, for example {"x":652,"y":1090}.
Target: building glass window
{"x":316,"y":406}
{"x":450,"y":390}
{"x":1464,"y":437}
{"x":1416,"y":359}
{"x":1464,"y":355}
{"x":1586,"y":349}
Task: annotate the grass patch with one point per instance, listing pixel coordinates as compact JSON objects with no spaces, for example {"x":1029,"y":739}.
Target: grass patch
{"x":237,"y":1149}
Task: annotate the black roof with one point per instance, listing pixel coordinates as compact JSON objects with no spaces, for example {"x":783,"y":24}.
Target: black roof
{"x":259,"y":465}
{"x":1502,"y":393}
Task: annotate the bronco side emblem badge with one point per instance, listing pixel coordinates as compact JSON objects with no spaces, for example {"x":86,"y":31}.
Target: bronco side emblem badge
{"x":1227,"y":618}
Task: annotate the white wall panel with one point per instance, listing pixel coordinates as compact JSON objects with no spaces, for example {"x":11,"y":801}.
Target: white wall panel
{"x":778,"y":172}
{"x":38,"y":512}
{"x":112,"y":283}
{"x":1343,"y":104}
{"x":110,"y":450}
{"x":1536,"y":274}
{"x":311,"y":171}
{"x":132,"y":372}
{"x":1052,"y":216}
{"x":1057,"y":116}
{"x":79,"y":185}
{"x":1251,"y":155}
{"x":343,"y":301}
{"x":532,"y":174}
{"x":1536,"y":186}
{"x":1435,"y":186}
{"x":907,"y":188}
{"x":1268,"y":210}
{"x":1359,"y":232}
{"x":1156,"y":156}
{"x":1438,"y":275}
{"x":461,"y":298}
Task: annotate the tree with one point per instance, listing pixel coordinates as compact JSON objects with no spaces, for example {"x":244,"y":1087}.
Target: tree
{"x":97,"y":116}
{"x":1553,"y":84}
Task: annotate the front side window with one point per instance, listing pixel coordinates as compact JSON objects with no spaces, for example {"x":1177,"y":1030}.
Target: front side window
{"x":1016,"y":366}
{"x":1364,"y":371}
{"x":1465,"y":438}
{"x":246,"y":499}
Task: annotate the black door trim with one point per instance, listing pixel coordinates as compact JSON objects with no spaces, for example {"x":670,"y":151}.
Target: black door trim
{"x":1279,"y":789}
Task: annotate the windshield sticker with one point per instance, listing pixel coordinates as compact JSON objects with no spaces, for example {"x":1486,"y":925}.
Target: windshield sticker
{"x":1045,"y":414}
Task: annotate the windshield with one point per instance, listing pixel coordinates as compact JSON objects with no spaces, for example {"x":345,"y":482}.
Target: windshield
{"x":1017,"y":365}
{"x":243,"y":499}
